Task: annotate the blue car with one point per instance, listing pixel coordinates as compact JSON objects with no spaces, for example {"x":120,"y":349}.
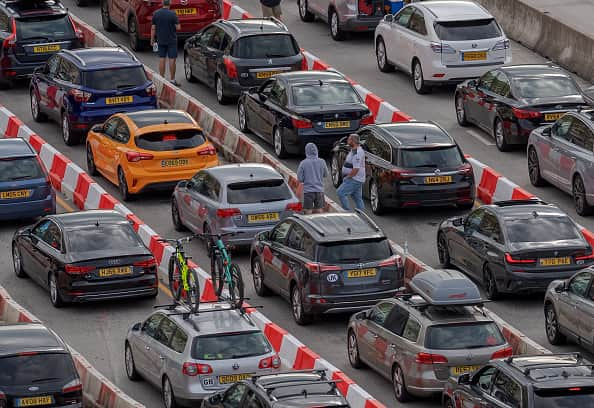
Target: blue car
{"x":25,"y":189}
{"x":81,"y":88}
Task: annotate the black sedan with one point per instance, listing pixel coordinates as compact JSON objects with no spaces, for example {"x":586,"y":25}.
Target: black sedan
{"x":509,"y":102}
{"x":84,"y":256}
{"x":292,"y":109}
{"x":514,"y":246}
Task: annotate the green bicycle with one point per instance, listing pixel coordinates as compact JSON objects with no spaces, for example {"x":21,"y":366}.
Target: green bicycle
{"x":183,"y":280}
{"x":223,"y":271}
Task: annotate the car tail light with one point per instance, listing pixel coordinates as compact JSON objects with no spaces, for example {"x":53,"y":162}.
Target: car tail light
{"x":304,"y":66}
{"x":194,"y":369}
{"x":393,"y":260}
{"x":149,"y":263}
{"x":301,"y":123}
{"x":429,"y":358}
{"x":136,"y":156}
{"x":318,"y":268}
{"x":503,"y":353}
{"x":77,"y":270}
{"x":515,"y":261}
{"x":228,"y":212}
{"x":582,"y":256}
{"x":79,"y":96}
{"x":442,"y":48}
{"x":72,"y":386}
{"x":297,"y":207}
{"x":151,"y":90}
{"x":526,"y":114}
{"x":10,"y":41}
{"x":207,"y":151}
{"x":367,"y":119}
{"x":270,"y":362}
{"x":231,"y":68}
{"x":501,"y":45}
{"x":465,"y":169}
{"x":27,"y":353}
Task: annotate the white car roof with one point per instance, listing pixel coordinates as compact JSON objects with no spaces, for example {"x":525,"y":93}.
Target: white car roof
{"x":454,"y":10}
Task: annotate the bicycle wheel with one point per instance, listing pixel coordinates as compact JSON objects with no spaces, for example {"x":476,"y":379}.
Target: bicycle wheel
{"x":217,"y":273}
{"x":236,"y":286}
{"x":174,"y":277}
{"x":192,"y":296}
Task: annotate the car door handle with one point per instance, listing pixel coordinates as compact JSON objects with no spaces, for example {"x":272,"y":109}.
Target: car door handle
{"x":147,"y":348}
{"x":375,"y":336}
{"x":393,"y":346}
{"x":161,"y":358}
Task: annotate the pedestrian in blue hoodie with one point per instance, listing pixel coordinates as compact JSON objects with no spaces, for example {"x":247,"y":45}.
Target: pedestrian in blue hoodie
{"x":311,"y":172}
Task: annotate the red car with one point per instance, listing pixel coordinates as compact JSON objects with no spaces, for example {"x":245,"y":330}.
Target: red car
{"x":134,"y":17}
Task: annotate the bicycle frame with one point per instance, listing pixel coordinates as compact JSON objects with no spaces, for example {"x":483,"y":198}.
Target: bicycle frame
{"x":183,"y":268}
{"x":226,"y":259}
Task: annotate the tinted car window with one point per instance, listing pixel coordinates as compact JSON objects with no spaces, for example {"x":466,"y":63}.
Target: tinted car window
{"x":463,"y":336}
{"x":396,"y":320}
{"x":44,"y":27}
{"x":379,"y":147}
{"x":261,"y":191}
{"x":295,"y":239}
{"x":165,"y":331}
{"x":467,"y":30}
{"x":544,"y":87}
{"x":265,"y":46}
{"x":581,"y":135}
{"x":68,"y":72}
{"x":567,"y":397}
{"x":579,"y":284}
{"x":485,"y":378}
{"x":3,"y":21}
{"x":327,"y":93}
{"x":151,"y":325}
{"x":417,"y":23}
{"x":541,"y":229}
{"x":25,"y":369}
{"x":431,"y":157}
{"x":178,"y":342}
{"x":380,"y":312}
{"x":20,"y":169}
{"x":236,"y":345}
{"x":119,"y":78}
{"x":253,"y":401}
{"x":234,"y":395}
{"x":562,"y":126}
{"x":411,"y":330}
{"x":279,"y":233}
{"x":52,"y":65}
{"x":501,"y":85}
{"x":490,"y":227}
{"x":355,"y":251}
{"x":404,"y":16}
{"x":102,"y":238}
{"x":207,"y":35}
{"x":122,"y":133}
{"x":506,"y":390}
{"x":170,"y":140}
{"x":486,"y":80}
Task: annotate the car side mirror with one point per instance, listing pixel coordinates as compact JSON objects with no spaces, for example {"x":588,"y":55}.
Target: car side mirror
{"x":264,"y":235}
{"x":215,"y":399}
{"x":137,"y":327}
{"x":39,"y":70}
{"x":364,"y":315}
{"x":262,"y":97}
{"x":97,"y":129}
{"x":473,"y":83}
{"x":562,"y":287}
{"x":253,"y":90}
{"x":189,"y":184}
{"x":458,"y":222}
{"x":547,"y":131}
{"x":464,"y":379}
{"x":388,"y":18}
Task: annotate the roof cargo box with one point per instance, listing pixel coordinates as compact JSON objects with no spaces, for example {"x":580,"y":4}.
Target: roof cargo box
{"x":446,"y":287}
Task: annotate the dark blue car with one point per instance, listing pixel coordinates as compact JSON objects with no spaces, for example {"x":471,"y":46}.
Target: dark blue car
{"x":83,"y":87}
{"x":25,"y":189}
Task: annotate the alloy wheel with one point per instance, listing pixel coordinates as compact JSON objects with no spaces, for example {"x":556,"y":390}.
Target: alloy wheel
{"x":16,"y":261}
{"x":257,"y":275}
{"x":442,"y":251}
{"x":334,"y":24}
{"x":335,"y":171}
{"x":242,"y":117}
{"x":460,"y":110}
{"x":374,"y":197}
{"x":381,"y":54}
{"x":296,"y":304}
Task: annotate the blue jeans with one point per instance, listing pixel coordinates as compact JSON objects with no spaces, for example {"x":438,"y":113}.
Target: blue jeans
{"x":351,"y":188}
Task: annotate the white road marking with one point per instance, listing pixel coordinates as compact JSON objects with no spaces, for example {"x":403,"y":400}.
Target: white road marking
{"x":480,"y":137}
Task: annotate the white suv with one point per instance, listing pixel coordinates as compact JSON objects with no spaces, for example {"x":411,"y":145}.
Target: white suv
{"x":441,"y":42}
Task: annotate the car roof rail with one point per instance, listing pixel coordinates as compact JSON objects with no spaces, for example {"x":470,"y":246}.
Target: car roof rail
{"x":309,"y":223}
{"x":528,"y":201}
{"x":277,"y":22}
{"x":129,"y":52}
{"x":576,"y":354}
{"x":77,"y":57}
{"x":320,"y":371}
{"x":368,"y":219}
{"x":303,"y":392}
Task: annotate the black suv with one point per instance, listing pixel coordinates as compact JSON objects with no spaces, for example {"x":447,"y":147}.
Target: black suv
{"x":234,"y":55}
{"x":411,"y":164}
{"x":514,"y":246}
{"x":304,"y":389}
{"x":36,"y":368}
{"x":532,"y":381}
{"x":31,"y":31}
{"x":326,"y":263}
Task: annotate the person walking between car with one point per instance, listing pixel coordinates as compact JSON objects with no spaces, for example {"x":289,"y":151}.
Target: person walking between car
{"x":271,"y":8}
{"x":353,"y":175}
{"x":311,"y":172}
{"x":164,"y":27}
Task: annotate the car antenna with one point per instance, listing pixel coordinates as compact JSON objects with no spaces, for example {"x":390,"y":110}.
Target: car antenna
{"x":534,"y":214}
{"x":321,"y":83}
{"x":97,"y":223}
{"x":425,"y":138}
{"x":349,"y":230}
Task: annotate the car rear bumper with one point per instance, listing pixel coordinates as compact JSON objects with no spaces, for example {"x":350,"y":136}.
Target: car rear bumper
{"x":438,"y":73}
{"x":357,"y":22}
{"x":330,"y":304}
{"x":84,"y":291}
{"x":295,"y":141}
{"x":85,"y":119}
{"x":523,"y":282}
{"x":246,"y":236}
{"x":28,"y":209}
{"x":433,"y":196}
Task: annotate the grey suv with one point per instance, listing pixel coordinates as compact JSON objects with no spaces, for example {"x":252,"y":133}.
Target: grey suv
{"x":563,"y":155}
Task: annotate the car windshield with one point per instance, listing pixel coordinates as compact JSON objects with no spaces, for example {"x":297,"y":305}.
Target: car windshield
{"x":230,"y":346}
{"x":355,"y":251}
{"x":441,"y":157}
{"x":540,"y":229}
{"x":467,"y":30}
{"x":544,"y":87}
{"x":35,"y":369}
{"x":46,"y":28}
{"x":260,"y":191}
{"x":170,"y":140}
{"x":324,"y":93}
{"x":463,"y":336}
{"x":565,"y":398}
{"x":20,"y":169}
{"x":102,"y":238}
{"x":115,"y":78}
{"x":265,"y":46}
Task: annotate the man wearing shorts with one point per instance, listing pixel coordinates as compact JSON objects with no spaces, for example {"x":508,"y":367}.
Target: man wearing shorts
{"x":165,"y":25}
{"x":271,"y":8}
{"x":311,"y":172}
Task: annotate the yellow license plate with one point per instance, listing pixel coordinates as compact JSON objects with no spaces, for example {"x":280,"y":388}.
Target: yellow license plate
{"x":266,"y":74}
{"x":116,"y":271}
{"x":553,"y":116}
{"x":362,"y":273}
{"x":32,"y":401}
{"x":174,"y":162}
{"x":46,"y":48}
{"x":338,"y":124}
{"x":233,"y":378}
{"x":185,"y":11}
{"x":438,"y":179}
{"x":474,"y":56}
{"x":114,"y":100}
{"x":7,"y":195}
{"x":464,"y":369}
{"x":565,"y":260}
{"x":263,"y":217}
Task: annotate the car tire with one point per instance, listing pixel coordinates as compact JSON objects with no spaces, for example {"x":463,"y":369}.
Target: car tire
{"x":136,"y":43}
{"x":443,"y":252}
{"x":258,"y":277}
{"x":123,"y":185}
{"x":375,"y":199}
{"x":279,"y":143}
{"x":299,"y":315}
{"x":353,"y":350}
{"x":17,"y":262}
{"x":335,"y":171}
{"x":460,"y":109}
{"x":129,"y":364}
{"x":490,"y":284}
{"x":220,"y":91}
{"x":178,"y":225}
{"x":534,"y":168}
{"x":399,"y":385}
{"x":68,"y":135}
{"x":554,"y":336}
{"x":54,"y":291}
{"x":419,"y":83}
{"x":38,"y":116}
{"x":242,"y":116}
{"x":106,"y":17}
{"x":382,"y":56}
{"x":335,"y":31}
{"x":580,"y":200}
{"x":91,"y":167}
{"x":304,"y":13}
{"x":499,"y":136}
{"x":189,"y":73}
{"x":167,"y":394}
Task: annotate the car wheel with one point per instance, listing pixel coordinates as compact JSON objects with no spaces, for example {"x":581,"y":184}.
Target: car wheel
{"x":499,"y":134}
{"x":554,"y":336}
{"x":279,"y":144}
{"x":490,"y":284}
{"x":220,"y":90}
{"x":105,"y":17}
{"x":17,"y":262}
{"x":335,"y":30}
{"x":353,"y":350}
{"x":443,"y":251}
{"x":167,"y":394}
{"x":123,"y":185}
{"x":135,"y":42}
{"x":54,"y":291}
{"x":418,"y":80}
{"x":130,"y":366}
{"x":304,"y":14}
{"x":335,"y":171}
{"x":301,"y":318}
{"x":399,"y":385}
{"x":258,"y":277}
{"x":69,"y":136}
{"x":382,"y":57}
{"x":243,"y":121}
{"x":376,"y":199}
{"x":178,"y":225}
{"x":91,"y":168}
{"x":188,"y":69}
{"x":38,"y":116}
{"x":460,"y":110}
{"x":579,"y":197}
{"x":534,"y":168}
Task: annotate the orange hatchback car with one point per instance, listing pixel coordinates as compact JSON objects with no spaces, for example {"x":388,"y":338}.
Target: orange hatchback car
{"x":148,"y":150}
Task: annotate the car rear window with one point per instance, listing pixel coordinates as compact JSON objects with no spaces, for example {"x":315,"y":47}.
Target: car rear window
{"x":115,"y":78}
{"x":102,"y":238}
{"x":463,"y":336}
{"x":441,"y":157}
{"x":265,"y":46}
{"x":355,"y":251}
{"x":20,"y":169}
{"x":170,"y":140}
{"x":46,"y":28}
{"x":230,"y":346}
{"x":324,"y":93}
{"x":36,"y":369}
{"x":260,"y":191}
{"x":540,"y":229}
{"x":467,"y":30}
{"x":566,"y":397}
{"x":544,"y":87}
